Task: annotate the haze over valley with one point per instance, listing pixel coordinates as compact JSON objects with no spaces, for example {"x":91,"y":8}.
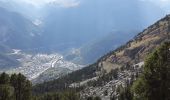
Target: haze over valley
{"x":50,"y":38}
{"x":84,"y":49}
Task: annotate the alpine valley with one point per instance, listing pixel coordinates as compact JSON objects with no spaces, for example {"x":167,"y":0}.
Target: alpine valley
{"x":93,"y":47}
{"x":111,"y":74}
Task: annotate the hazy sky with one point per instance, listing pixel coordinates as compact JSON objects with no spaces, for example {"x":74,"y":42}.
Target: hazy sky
{"x":62,"y":3}
{"x":165,"y":4}
{"x":41,"y":3}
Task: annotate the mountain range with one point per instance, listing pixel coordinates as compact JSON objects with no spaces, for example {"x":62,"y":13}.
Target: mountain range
{"x":116,"y":68}
{"x":79,"y":34}
{"x":95,"y":19}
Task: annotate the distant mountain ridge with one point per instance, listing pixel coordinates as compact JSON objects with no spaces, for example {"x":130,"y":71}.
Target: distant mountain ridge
{"x":17,"y":31}
{"x":89,"y":53}
{"x":94,"y":19}
{"x":71,"y":28}
{"x":7,"y":61}
{"x":131,"y":54}
{"x":66,"y":28}
{"x":78,"y":25}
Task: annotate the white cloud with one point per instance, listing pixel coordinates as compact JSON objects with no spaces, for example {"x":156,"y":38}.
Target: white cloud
{"x":40,"y":3}
{"x":65,"y":3}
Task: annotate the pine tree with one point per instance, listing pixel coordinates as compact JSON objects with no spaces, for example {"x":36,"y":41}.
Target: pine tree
{"x":154,"y":83}
{"x":23,"y":88}
{"x":13,"y":82}
{"x":27,"y":91}
{"x":70,"y":95}
{"x":97,"y":98}
{"x":6,"y":92}
{"x":16,"y":87}
{"x":90,"y":98}
{"x":4,"y":78}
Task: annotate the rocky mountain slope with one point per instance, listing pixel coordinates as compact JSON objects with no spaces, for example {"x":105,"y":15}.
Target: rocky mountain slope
{"x":130,"y":57}
{"x":126,"y":61}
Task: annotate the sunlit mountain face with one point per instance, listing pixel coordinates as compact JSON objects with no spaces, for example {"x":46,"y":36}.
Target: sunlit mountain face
{"x":78,"y":31}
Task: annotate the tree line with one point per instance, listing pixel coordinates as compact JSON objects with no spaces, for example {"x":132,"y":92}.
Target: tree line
{"x":152,"y":84}
{"x":17,"y":87}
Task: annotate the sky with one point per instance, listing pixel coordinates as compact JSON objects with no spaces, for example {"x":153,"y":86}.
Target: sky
{"x":41,"y":3}
{"x":61,"y":3}
{"x":164,"y":4}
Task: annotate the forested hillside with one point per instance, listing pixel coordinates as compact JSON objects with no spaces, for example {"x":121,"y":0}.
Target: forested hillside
{"x":41,"y":53}
{"x":151,"y":84}
{"x":17,"y":87}
{"x":116,"y":69}
{"x":154,"y":82}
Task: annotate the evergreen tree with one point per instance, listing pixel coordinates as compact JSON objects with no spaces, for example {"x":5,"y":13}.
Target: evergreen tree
{"x":13,"y":82}
{"x":16,"y":87}
{"x":154,"y":83}
{"x":113,"y":98}
{"x":90,"y":98}
{"x":23,"y":88}
{"x":27,"y":91}
{"x":97,"y":98}
{"x":6,"y":92}
{"x":70,"y":95}
{"x":4,"y":78}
